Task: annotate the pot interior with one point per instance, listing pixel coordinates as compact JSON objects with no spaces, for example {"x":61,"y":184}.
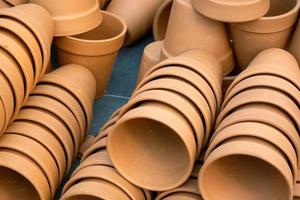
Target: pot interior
{"x":280,"y":7}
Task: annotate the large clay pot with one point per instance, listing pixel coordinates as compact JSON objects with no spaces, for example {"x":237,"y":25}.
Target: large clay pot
{"x":245,"y":155}
{"x":96,"y":50}
{"x":271,"y":31}
{"x":138,"y":22}
{"x":143,"y":131}
{"x":161,"y":20}
{"x":67,"y":15}
{"x":199,"y":33}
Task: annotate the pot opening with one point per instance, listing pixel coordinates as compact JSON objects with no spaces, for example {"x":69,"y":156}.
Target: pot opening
{"x":280,"y":7}
{"x":149,"y":152}
{"x":14,"y":186}
{"x":239,"y":177}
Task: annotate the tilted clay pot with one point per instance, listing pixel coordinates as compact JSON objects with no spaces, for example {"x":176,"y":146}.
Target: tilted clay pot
{"x":199,"y":33}
{"x":43,"y":28}
{"x":37,"y":153}
{"x":96,"y":50}
{"x":79,"y":82}
{"x":244,"y":155}
{"x":233,"y":11}
{"x":29,"y":181}
{"x":151,"y":57}
{"x":161,"y":20}
{"x":16,"y":2}
{"x":7,"y":98}
{"x":67,"y":15}
{"x":138,"y":22}
{"x":271,"y":31}
{"x":141,"y":132}
{"x":98,"y":146}
{"x":94,"y":189}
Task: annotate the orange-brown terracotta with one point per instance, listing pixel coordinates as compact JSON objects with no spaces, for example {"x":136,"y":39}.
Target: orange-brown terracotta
{"x":67,"y":15}
{"x":4,"y":4}
{"x":96,"y":50}
{"x":7,"y":98}
{"x":2,"y":117}
{"x":295,"y":43}
{"x":161,"y":20}
{"x":97,"y":146}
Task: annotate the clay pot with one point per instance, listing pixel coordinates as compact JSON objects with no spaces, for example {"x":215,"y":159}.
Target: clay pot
{"x":161,"y":125}
{"x":68,"y":14}
{"x":97,"y":49}
{"x":151,"y":57}
{"x":271,"y":31}
{"x":60,"y":112}
{"x":235,"y":11}
{"x":138,"y":22}
{"x":37,"y":153}
{"x":16,"y":2}
{"x":99,"y":145}
{"x":94,"y":189}
{"x":44,"y":137}
{"x":79,"y":82}
{"x":161,"y":20}
{"x":43,"y":28}
{"x":7,"y":98}
{"x":199,"y":33}
{"x":29,"y":181}
{"x":244,"y":155}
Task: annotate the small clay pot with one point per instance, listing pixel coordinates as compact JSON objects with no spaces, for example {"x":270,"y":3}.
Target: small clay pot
{"x":151,"y":57}
{"x":199,"y":33}
{"x":7,"y":98}
{"x":43,"y":28}
{"x":235,"y":11}
{"x":97,"y":146}
{"x":68,"y":14}
{"x":139,"y":22}
{"x":96,"y":50}
{"x":243,"y":154}
{"x":37,"y":153}
{"x":29,"y":181}
{"x":94,"y":189}
{"x":161,"y":125}
{"x":271,"y":31}
{"x":16,"y":2}
{"x":161,"y":20}
{"x":44,"y":137}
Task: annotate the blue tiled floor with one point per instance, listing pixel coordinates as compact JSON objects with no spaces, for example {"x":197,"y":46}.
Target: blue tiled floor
{"x":121,"y":84}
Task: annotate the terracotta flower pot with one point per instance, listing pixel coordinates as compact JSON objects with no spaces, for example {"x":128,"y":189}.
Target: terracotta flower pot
{"x":16,"y":2}
{"x":235,"y":11}
{"x":96,"y":50}
{"x":199,"y":33}
{"x":140,"y":21}
{"x":151,"y":57}
{"x":7,"y":98}
{"x":161,"y":20}
{"x":43,"y":28}
{"x":271,"y":31}
{"x":161,"y":125}
{"x":242,"y":154}
{"x":67,"y":15}
{"x":29,"y":181}
{"x":35,"y":152}
{"x":98,"y":146}
{"x":79,"y":82}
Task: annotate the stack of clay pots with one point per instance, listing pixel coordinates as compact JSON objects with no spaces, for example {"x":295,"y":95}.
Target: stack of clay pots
{"x":159,"y":133}
{"x":38,"y":148}
{"x":255,"y":149}
{"x":26,"y":36}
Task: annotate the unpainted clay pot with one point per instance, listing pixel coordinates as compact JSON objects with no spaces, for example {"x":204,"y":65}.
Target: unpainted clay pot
{"x":60,"y":112}
{"x":232,"y":11}
{"x":53,"y":124}
{"x":96,"y":50}
{"x":258,"y":130}
{"x":98,"y":146}
{"x":151,"y":57}
{"x":44,"y":137}
{"x":7,"y":98}
{"x":161,"y":20}
{"x":94,"y":189}
{"x":37,"y":153}
{"x":29,"y":181}
{"x":199,"y":33}
{"x":43,"y":28}
{"x":138,"y":22}
{"x":245,"y":155}
{"x":271,"y":31}
{"x":143,"y":131}
{"x":108,"y":174}
{"x":79,"y":82}
{"x":67,"y":15}
{"x":16,"y":2}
